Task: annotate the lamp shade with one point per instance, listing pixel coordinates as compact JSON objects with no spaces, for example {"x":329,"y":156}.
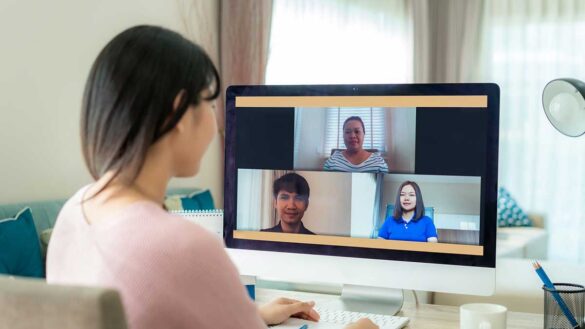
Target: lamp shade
{"x":563,"y":101}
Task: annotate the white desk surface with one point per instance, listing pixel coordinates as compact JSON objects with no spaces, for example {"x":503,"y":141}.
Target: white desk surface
{"x":425,"y":316}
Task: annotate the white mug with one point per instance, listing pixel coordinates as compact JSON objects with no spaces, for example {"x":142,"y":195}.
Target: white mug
{"x":482,"y":316}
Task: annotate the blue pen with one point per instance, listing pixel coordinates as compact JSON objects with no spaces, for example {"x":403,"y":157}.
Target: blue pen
{"x":304,"y":326}
{"x":557,"y":297}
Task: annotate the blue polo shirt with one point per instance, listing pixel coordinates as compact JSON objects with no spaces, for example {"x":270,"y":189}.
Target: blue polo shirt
{"x":419,"y":230}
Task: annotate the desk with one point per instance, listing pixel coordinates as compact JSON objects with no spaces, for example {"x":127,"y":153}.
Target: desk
{"x":425,"y":316}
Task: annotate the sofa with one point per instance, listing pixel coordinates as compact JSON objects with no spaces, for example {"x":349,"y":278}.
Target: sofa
{"x":524,"y":241}
{"x":23,"y":247}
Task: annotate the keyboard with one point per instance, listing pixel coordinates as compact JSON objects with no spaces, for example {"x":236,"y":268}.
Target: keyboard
{"x":347,"y":317}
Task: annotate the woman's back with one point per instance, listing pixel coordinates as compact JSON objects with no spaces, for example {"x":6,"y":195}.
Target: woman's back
{"x":170,"y":273}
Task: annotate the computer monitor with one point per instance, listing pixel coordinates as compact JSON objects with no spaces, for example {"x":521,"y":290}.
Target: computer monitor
{"x":311,"y":197}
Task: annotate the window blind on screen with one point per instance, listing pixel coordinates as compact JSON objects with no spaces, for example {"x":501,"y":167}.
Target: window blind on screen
{"x":374,"y":123}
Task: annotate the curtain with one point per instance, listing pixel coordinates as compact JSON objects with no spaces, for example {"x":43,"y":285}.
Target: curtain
{"x":340,"y":41}
{"x":527,"y":43}
{"x":255,"y":209}
{"x":235,"y":33}
{"x":377,"y":220}
{"x":244,"y":35}
{"x":445,"y":40}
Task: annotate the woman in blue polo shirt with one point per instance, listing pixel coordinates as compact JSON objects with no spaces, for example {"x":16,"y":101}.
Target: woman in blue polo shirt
{"x":408,"y":222}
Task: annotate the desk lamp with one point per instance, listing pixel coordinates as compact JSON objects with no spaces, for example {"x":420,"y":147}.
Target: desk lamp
{"x":564,"y":105}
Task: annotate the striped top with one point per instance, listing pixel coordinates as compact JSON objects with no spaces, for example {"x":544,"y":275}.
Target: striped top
{"x":338,"y":162}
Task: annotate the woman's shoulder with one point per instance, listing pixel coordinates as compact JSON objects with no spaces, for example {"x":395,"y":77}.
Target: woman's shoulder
{"x":337,"y":154}
{"x":426,"y":219}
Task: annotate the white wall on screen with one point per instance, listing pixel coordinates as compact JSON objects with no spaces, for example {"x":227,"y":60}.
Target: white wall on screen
{"x":330,"y":202}
{"x":363,"y":195}
{"x":309,"y":138}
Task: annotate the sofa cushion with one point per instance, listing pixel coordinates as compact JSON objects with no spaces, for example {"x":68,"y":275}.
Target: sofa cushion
{"x":198,"y":200}
{"x":45,"y":238}
{"x":20,"y":252}
{"x":509,"y":213}
{"x":44,"y":212}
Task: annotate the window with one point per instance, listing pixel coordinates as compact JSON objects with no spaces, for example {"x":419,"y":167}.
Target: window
{"x":524,"y":47}
{"x":340,"y":41}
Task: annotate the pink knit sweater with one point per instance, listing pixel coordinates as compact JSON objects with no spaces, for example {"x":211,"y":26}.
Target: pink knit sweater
{"x":170,"y":273}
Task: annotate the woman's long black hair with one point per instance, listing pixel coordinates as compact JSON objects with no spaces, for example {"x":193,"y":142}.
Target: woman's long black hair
{"x":129,"y":96}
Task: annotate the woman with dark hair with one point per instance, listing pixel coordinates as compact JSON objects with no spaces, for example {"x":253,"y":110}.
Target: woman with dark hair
{"x":408,"y":222}
{"x":354,"y":158}
{"x":147,"y":116}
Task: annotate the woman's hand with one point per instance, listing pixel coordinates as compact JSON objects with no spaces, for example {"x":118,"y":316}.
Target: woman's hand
{"x":281,"y":309}
{"x":363,"y":323}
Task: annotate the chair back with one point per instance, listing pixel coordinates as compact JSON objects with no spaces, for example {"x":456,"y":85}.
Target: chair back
{"x":369,"y":150}
{"x":32,"y":303}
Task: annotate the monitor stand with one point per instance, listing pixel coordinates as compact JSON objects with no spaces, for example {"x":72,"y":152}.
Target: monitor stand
{"x":364,"y":299}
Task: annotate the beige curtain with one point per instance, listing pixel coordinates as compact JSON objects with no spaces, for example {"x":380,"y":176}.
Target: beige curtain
{"x":446,"y":35}
{"x":235,"y":33}
{"x":200,"y":20}
{"x":244,"y":35}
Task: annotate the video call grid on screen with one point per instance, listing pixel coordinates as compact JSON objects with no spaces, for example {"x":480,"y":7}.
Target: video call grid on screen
{"x":442,"y":137}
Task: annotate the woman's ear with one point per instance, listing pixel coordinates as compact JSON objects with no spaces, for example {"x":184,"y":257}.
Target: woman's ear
{"x":179,"y":99}
{"x":177,"y":102}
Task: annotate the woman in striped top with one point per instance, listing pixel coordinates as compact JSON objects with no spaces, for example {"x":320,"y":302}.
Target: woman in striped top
{"x":354,"y":158}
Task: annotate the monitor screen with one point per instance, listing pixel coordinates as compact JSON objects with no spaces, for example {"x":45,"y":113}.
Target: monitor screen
{"x":385,"y":172}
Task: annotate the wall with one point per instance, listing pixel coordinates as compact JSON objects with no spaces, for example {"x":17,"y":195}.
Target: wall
{"x":401,"y":139}
{"x":310,"y":138}
{"x":47,"y":50}
{"x":330,"y":203}
{"x":363,"y":198}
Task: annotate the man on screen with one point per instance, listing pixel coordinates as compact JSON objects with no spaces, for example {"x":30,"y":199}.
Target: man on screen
{"x":291,"y":199}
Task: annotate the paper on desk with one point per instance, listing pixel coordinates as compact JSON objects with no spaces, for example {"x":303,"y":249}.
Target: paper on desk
{"x":294,"y":323}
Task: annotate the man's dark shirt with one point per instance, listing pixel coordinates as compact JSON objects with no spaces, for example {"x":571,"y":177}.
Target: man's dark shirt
{"x":278,"y":228}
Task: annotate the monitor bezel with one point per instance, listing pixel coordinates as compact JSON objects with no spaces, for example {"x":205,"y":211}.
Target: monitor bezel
{"x":488,"y":184}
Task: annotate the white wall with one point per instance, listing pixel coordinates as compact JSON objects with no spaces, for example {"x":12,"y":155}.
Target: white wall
{"x":401,"y":139}
{"x":46,"y":53}
{"x":363,"y":198}
{"x":330,"y":203}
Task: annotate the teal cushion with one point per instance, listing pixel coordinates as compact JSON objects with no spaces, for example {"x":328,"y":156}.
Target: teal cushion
{"x":20,"y":252}
{"x":198,"y":200}
{"x":509,"y":213}
{"x":45,"y":212}
{"x":429,"y":211}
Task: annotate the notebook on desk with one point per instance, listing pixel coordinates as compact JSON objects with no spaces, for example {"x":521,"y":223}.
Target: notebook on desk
{"x":211,"y":219}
